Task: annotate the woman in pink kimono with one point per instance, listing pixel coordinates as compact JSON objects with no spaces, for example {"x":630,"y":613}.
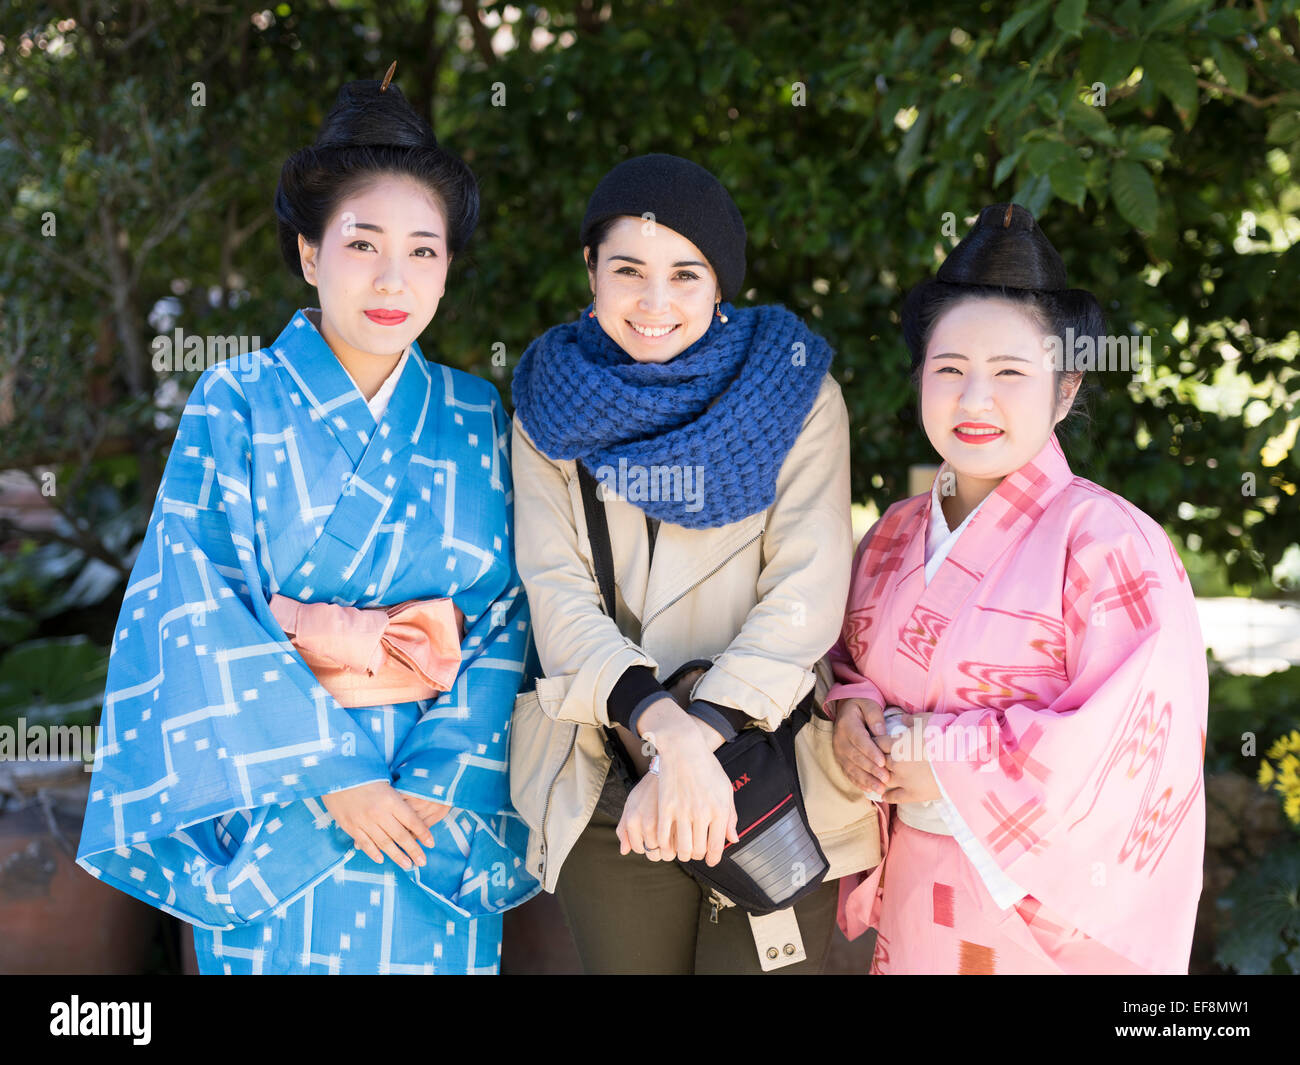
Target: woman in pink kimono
{"x":1020,"y":676}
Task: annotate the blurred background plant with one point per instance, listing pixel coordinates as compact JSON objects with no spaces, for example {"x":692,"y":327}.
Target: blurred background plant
{"x":1157,"y":143}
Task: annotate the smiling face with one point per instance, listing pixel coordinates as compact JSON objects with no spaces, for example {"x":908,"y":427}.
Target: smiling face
{"x":989,"y":390}
{"x":380,"y":269}
{"x":654,"y":292}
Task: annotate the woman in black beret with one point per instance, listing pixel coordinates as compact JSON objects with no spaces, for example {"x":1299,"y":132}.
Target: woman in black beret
{"x":720,"y":441}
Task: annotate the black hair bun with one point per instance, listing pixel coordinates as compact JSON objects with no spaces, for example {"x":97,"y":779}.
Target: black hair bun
{"x":369,"y":132}
{"x":363,"y":117}
{"x":1005,"y":248}
{"x":1004,"y":256}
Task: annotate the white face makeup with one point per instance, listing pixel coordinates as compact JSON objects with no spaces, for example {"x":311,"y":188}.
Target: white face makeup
{"x":380,"y":270}
{"x":988,"y":392}
{"x":654,"y":291}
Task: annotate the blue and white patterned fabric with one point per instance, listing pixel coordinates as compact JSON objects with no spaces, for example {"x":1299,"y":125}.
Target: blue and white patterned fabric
{"x":217,"y":740}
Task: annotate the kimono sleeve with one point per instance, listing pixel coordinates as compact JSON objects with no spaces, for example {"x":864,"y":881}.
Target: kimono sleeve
{"x":1094,"y":804}
{"x":804,"y":581}
{"x":213,"y":727}
{"x":456,"y":753}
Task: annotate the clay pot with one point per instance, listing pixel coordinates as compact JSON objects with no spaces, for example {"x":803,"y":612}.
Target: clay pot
{"x":56,"y":917}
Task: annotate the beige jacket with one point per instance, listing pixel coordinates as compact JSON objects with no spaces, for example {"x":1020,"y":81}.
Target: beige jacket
{"x":762,"y":597}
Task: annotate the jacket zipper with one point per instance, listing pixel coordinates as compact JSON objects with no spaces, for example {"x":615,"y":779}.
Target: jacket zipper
{"x":646,"y":624}
{"x":546,"y":810}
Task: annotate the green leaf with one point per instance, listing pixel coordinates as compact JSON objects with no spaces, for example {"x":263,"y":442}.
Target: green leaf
{"x":1108,"y":59}
{"x":1175,"y":12}
{"x":636,"y":38}
{"x":936,"y":188}
{"x":1285,"y":70}
{"x":1151,"y":142}
{"x":1041,"y":156}
{"x":52,"y":680}
{"x":1263,"y":909}
{"x":1068,"y":181}
{"x":713,"y":77}
{"x":1012,"y":90}
{"x":909,"y":155}
{"x":1069,"y":16}
{"x":1089,"y":121}
{"x":1135,"y":194}
{"x":1230,"y":64}
{"x":1019,"y":20}
{"x":1166,"y":64}
{"x":1005,"y":165}
{"x":1096,"y":174}
{"x":1123,"y":57}
{"x":1034,"y":194}
{"x":1226,"y":22}
{"x":1285,"y":129}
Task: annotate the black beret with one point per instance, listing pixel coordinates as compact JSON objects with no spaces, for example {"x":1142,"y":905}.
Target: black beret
{"x":684,"y":197}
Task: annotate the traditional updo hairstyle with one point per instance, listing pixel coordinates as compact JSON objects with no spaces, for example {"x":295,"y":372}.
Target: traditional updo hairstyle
{"x":1006,"y":256}
{"x":372,"y":131}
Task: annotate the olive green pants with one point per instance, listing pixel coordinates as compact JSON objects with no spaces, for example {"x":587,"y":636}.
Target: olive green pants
{"x":631,"y":915}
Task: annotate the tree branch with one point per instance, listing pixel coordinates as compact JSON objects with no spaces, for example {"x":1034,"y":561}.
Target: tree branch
{"x":175,"y":217}
{"x":1228,"y":90}
{"x":482,"y":39}
{"x":62,"y":262}
{"x":83,"y":540}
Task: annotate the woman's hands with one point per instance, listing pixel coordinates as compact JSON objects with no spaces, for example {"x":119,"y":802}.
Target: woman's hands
{"x":640,"y":821}
{"x":426,"y":810}
{"x":911,"y":778}
{"x":860,"y":744}
{"x":687,"y":811}
{"x":379,"y":819}
{"x":893,"y":767}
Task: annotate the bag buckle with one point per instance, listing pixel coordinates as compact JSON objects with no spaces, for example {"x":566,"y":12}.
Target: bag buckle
{"x":777,"y":938}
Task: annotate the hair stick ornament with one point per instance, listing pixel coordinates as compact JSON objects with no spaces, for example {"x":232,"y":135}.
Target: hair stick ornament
{"x":389,"y":76}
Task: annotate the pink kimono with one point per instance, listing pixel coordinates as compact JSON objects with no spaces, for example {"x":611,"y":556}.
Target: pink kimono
{"x":1058,"y":648}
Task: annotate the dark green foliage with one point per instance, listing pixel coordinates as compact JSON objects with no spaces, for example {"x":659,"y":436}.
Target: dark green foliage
{"x":799,"y":108}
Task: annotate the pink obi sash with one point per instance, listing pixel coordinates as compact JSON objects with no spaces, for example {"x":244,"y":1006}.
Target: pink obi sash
{"x":368,"y":657}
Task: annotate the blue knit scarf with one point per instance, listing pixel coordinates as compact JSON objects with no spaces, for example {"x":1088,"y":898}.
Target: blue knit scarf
{"x":697,"y":441}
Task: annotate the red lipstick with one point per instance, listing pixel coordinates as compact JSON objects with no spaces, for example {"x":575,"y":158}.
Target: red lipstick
{"x":967,"y":433}
{"x":382,"y":317}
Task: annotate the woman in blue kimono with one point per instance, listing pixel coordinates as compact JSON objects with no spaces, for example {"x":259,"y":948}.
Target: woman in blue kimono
{"x":304,"y":735}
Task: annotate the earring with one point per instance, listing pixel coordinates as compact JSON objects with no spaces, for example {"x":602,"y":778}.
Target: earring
{"x":591,"y":314}
{"x":717,"y":309}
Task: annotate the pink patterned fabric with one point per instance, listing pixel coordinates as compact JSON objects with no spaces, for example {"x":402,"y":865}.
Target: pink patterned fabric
{"x":937,"y":917}
{"x":1062,"y":625}
{"x":366,"y":657}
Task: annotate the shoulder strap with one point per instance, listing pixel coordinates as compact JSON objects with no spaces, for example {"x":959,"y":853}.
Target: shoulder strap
{"x":598,"y":533}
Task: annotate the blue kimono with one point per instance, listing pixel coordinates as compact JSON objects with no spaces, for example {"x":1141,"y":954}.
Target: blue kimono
{"x":217,"y":741}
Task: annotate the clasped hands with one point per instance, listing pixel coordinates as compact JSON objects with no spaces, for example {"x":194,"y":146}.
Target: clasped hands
{"x":687,"y":811}
{"x":868,"y":756}
{"x":381,"y":820}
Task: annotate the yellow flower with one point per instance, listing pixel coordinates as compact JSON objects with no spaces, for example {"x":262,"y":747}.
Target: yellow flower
{"x":1266,"y":774}
{"x":1283,"y":744}
{"x":1292,"y":808}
